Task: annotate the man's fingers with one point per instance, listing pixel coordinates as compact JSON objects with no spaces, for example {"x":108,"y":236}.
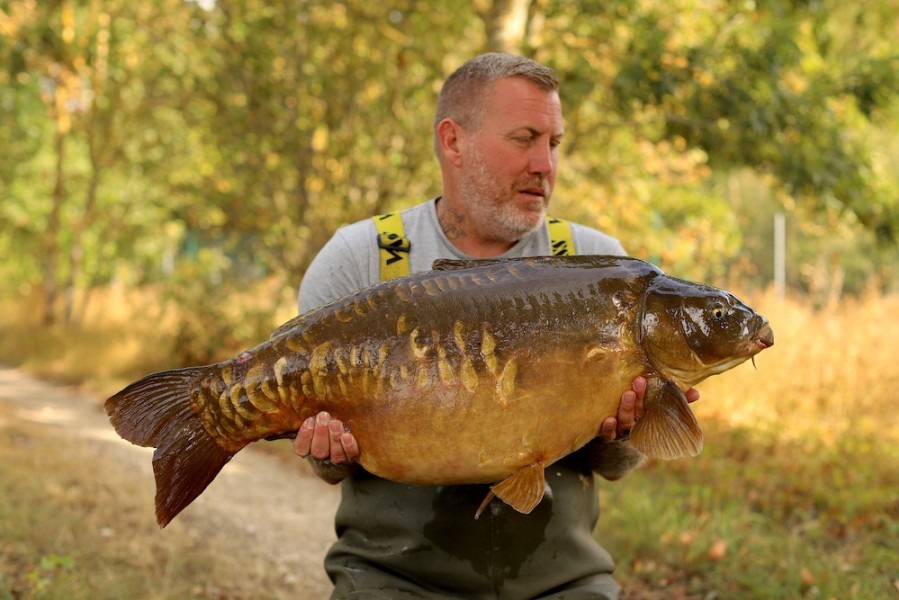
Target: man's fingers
{"x":609,"y":430}
{"x":321,"y":439}
{"x":639,"y":386}
{"x":302,"y":444}
{"x":627,"y":411}
{"x":350,"y":447}
{"x":335,"y":432}
{"x":325,"y":438}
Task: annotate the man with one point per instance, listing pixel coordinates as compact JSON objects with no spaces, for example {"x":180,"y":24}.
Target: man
{"x":497,"y":134}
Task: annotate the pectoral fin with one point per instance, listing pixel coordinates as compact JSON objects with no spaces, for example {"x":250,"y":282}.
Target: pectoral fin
{"x":523,"y":490}
{"x":668,"y":429}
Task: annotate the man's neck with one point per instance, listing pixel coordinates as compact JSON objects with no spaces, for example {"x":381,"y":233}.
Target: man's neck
{"x":462,"y":234}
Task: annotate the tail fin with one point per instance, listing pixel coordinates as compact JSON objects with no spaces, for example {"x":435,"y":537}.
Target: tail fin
{"x":156,"y":411}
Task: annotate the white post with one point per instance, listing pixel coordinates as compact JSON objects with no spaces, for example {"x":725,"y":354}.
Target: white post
{"x":780,"y":267}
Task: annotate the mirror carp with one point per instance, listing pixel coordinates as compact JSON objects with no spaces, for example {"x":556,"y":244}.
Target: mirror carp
{"x":481,"y":371}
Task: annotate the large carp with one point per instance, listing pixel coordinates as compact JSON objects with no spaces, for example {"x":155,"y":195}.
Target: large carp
{"x":476,"y":372}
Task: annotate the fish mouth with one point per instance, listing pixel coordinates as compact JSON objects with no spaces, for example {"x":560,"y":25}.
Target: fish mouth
{"x":764,"y":337}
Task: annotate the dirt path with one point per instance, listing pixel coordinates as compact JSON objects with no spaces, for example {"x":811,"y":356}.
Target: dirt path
{"x":281,"y":515}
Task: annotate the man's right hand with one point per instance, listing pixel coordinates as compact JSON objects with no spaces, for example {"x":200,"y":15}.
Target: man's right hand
{"x":326,"y":439}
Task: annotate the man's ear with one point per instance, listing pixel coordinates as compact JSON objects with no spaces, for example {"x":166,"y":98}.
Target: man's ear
{"x":450,"y":139}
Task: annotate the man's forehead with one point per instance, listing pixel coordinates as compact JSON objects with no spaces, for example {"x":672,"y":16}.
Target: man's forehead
{"x":523,"y":90}
{"x":516,"y":102}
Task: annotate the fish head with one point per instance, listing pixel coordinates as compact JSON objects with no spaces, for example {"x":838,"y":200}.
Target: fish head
{"x":691,"y":331}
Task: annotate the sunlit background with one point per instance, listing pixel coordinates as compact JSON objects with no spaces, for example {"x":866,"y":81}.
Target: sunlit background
{"x":169,"y":168}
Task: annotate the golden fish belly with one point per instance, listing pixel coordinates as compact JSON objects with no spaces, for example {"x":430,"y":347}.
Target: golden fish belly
{"x":435,"y":431}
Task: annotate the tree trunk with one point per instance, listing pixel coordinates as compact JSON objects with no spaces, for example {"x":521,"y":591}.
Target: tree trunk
{"x":506,"y":24}
{"x":51,"y":256}
{"x":76,"y":253}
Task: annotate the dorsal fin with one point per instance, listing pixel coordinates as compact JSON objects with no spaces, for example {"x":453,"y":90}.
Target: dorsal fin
{"x":446,"y":264}
{"x":285,"y":327}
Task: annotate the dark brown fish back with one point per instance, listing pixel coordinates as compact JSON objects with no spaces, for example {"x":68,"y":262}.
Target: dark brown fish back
{"x":359,"y":340}
{"x":452,"y":291}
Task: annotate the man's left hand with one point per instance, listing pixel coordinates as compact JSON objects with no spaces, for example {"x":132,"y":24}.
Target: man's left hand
{"x":630,"y":410}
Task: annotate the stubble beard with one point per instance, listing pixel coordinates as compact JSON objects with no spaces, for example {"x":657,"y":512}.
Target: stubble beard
{"x":496,"y":211}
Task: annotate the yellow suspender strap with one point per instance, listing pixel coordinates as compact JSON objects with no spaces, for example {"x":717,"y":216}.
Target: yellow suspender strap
{"x":393,"y":248}
{"x":561,"y":242}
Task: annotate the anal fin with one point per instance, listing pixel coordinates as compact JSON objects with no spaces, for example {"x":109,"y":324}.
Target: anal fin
{"x":668,"y":429}
{"x":523,"y":490}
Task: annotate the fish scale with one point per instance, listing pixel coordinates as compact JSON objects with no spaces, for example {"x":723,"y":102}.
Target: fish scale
{"x":476,"y":372}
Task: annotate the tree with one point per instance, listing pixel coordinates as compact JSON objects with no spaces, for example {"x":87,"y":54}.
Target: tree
{"x":174,"y":141}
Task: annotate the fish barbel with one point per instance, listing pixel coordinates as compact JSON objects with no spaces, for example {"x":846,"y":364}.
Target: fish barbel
{"x":475,"y":372}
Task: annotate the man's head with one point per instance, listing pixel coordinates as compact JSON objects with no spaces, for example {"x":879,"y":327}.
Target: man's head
{"x":462,"y":97}
{"x":498,"y":125}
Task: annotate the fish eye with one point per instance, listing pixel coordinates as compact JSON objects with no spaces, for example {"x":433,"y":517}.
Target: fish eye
{"x":718,"y":311}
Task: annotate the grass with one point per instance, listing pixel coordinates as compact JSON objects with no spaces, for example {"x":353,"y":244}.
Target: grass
{"x":755,"y":517}
{"x":122,"y":334}
{"x":67,"y":533}
{"x":796,"y":494}
{"x":125,"y":334}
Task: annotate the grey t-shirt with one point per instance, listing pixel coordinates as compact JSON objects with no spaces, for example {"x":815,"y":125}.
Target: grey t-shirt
{"x":350,"y":261}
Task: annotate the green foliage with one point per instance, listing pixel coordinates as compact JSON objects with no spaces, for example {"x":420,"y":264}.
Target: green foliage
{"x":215,"y":322}
{"x":763,"y":89}
{"x":140,"y":135}
{"x":43,"y":574}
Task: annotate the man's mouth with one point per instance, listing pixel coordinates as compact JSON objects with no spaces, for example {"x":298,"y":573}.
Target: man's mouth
{"x":535,"y":190}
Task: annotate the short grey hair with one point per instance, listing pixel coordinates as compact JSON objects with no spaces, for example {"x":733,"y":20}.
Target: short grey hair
{"x":462,"y":95}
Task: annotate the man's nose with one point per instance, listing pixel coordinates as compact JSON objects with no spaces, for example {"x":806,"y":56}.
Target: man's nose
{"x":542,"y":159}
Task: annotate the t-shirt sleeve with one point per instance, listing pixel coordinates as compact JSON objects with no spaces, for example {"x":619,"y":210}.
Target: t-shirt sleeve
{"x":589,"y":241}
{"x":340,"y":268}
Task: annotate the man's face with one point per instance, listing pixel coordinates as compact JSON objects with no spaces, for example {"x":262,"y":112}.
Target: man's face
{"x":509,"y":170}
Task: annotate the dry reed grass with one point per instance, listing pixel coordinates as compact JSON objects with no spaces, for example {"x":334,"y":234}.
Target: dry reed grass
{"x":831,"y":373}
{"x":121,"y":334}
